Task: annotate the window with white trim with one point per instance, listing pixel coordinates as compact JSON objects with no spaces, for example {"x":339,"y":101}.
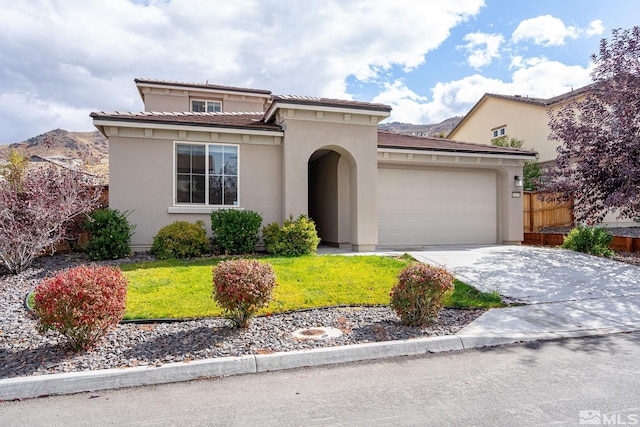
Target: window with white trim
{"x":501,"y":131}
{"x":203,"y":106}
{"x":206,"y":174}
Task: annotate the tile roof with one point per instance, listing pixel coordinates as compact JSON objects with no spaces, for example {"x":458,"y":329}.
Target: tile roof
{"x":202,"y":86}
{"x":230,"y":120}
{"x":328,"y":102}
{"x":545,"y":101}
{"x":399,"y":141}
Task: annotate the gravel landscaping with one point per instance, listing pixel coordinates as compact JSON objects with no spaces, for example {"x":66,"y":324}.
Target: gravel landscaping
{"x":25,"y":352}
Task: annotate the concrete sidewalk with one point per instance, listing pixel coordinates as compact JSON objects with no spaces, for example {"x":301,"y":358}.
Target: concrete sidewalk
{"x":569,"y":295}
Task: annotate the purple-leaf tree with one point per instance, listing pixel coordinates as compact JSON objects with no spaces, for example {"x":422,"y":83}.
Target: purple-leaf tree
{"x":598,"y":163}
{"x":34,"y":209}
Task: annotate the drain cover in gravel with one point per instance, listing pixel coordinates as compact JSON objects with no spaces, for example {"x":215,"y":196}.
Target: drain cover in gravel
{"x":319,"y":333}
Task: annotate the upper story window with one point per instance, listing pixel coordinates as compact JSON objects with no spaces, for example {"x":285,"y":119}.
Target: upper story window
{"x":498,"y":132}
{"x":206,"y":174}
{"x":202,"y":106}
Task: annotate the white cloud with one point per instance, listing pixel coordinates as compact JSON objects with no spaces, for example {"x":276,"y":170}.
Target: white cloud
{"x":545,"y":30}
{"x":482,"y":48}
{"x":535,"y":77}
{"x":595,"y":28}
{"x":83,"y":55}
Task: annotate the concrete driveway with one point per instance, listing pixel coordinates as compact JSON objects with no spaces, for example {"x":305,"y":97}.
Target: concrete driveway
{"x":536,"y":275}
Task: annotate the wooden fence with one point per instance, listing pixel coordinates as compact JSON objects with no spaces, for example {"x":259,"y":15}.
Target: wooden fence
{"x":619,"y":243}
{"x":538,"y":214}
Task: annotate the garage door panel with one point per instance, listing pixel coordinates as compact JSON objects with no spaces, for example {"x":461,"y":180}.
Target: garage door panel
{"x":426,"y":207}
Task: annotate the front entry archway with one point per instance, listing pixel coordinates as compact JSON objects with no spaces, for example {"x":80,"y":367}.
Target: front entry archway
{"x":329,"y":191}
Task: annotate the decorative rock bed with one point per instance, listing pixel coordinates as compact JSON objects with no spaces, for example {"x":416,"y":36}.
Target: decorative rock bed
{"x":24,"y":352}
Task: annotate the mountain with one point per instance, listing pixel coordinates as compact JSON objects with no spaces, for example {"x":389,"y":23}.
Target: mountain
{"x":440,"y":129}
{"x":90,"y":147}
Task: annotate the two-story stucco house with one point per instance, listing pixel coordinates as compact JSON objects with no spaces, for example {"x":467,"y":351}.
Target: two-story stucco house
{"x":200,"y":147}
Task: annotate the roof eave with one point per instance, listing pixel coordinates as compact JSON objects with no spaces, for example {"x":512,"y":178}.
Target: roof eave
{"x":472,"y":153}
{"x":102,"y":122}
{"x":315,"y":106}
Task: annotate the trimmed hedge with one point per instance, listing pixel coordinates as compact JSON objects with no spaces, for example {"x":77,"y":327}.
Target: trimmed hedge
{"x":180,"y":240}
{"x":295,"y":237}
{"x":235,"y":231}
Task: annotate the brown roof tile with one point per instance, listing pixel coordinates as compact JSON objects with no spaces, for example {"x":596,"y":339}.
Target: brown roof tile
{"x":328,"y":102}
{"x":395,"y":140}
{"x":229,"y":120}
{"x":202,"y":86}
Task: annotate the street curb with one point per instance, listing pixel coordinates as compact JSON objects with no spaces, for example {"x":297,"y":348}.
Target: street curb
{"x":356,"y":353}
{"x":77,"y":382}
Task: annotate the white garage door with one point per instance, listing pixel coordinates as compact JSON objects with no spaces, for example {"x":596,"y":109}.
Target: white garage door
{"x":436,"y":207}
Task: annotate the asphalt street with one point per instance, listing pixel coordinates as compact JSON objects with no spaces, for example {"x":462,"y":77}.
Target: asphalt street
{"x":561,"y":382}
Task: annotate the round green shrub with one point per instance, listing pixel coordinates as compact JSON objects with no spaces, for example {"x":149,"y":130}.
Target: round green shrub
{"x":242,"y":287}
{"x":179,"y":240}
{"x":110,"y":234}
{"x":420,"y":293}
{"x":295,"y":237}
{"x":235,"y":231}
{"x":589,"y":240}
{"x":81,"y":303}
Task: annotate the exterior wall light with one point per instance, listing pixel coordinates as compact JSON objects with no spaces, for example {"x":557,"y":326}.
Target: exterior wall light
{"x":518,"y":181}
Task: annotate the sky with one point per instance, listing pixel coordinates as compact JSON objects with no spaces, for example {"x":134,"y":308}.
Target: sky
{"x":428,"y":59}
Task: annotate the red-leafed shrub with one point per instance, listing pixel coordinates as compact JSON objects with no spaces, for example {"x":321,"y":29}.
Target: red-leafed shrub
{"x":242,"y":287}
{"x":420,"y":292}
{"x":82,"y":303}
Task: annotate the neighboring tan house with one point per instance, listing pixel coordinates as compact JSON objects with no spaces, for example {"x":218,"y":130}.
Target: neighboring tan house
{"x":523,"y":118}
{"x":514,"y":116}
{"x":200,"y":147}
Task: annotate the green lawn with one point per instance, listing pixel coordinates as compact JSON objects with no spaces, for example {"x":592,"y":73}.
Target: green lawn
{"x":183,"y":289}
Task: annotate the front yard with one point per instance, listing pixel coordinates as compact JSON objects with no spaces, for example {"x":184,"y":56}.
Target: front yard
{"x":183,"y":289}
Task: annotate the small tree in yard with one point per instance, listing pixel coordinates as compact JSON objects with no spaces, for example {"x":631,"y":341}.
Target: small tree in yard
{"x":82,"y":303}
{"x":34,"y":207}
{"x":242,"y":287}
{"x":598,"y":163}
{"x":420,"y":293}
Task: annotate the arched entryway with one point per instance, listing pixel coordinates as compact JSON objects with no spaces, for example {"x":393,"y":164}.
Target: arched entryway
{"x":330,"y":195}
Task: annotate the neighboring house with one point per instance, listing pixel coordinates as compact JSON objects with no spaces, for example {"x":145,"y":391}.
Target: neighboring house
{"x":200,"y":147}
{"x":514,"y":116}
{"x":523,"y":118}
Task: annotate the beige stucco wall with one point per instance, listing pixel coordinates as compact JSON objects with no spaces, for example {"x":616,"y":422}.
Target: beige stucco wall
{"x":142,"y":178}
{"x":354,"y":137}
{"x":159,"y":99}
{"x":523,"y":121}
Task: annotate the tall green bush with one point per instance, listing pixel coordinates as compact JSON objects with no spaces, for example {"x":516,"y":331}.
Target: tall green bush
{"x":590,"y":240}
{"x":110,"y":234}
{"x":180,"y":240}
{"x":235,"y":231}
{"x":295,"y":237}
